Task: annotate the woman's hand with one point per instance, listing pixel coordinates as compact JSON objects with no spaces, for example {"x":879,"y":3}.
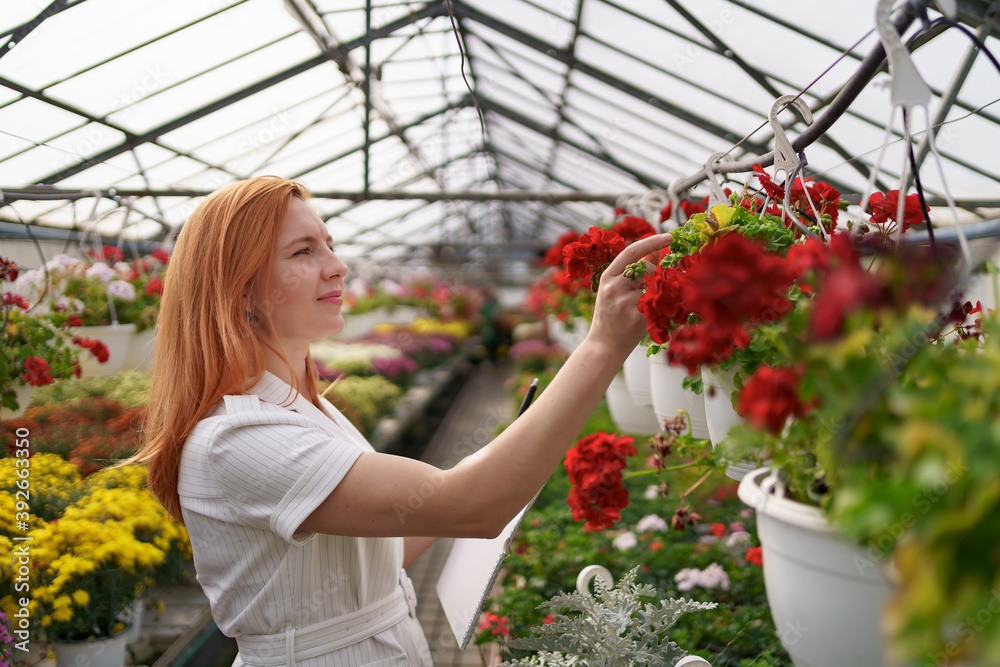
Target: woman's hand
{"x":618,"y":324}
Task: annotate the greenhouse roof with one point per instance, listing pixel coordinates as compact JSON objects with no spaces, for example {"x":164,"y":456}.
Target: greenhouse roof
{"x":469,"y":131}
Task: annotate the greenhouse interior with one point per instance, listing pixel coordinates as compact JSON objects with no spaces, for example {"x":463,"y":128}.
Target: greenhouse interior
{"x":602,"y":305}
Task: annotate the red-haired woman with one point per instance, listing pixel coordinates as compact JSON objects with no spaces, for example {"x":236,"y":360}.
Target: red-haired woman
{"x":300,"y":529}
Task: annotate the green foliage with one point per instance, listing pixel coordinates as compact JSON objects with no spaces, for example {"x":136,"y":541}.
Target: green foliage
{"x":365,"y":400}
{"x":614,"y":626}
{"x":27,"y":336}
{"x":130,"y":388}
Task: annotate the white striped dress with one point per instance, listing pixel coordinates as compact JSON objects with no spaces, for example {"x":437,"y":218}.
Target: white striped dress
{"x":251,"y":472}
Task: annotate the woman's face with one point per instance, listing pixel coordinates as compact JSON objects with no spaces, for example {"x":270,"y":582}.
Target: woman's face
{"x":306,"y":282}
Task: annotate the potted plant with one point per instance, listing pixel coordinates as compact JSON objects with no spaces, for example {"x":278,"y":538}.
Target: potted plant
{"x":880,"y":435}
{"x":87,"y":297}
{"x":34,"y":352}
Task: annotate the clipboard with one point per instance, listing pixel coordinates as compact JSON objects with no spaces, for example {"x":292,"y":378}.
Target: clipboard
{"x":473,"y":565}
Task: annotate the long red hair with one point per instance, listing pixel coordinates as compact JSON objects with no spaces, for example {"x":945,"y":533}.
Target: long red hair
{"x":205,"y":344}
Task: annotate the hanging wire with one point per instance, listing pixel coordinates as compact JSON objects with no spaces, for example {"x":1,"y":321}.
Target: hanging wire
{"x":468,"y":86}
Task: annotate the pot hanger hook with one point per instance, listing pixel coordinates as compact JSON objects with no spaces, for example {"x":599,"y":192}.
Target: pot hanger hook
{"x":785,"y":157}
{"x":651,"y":203}
{"x":675,"y":205}
{"x":716,"y":195}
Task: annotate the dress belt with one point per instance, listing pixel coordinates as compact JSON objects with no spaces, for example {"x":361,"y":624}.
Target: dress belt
{"x":331,"y":635}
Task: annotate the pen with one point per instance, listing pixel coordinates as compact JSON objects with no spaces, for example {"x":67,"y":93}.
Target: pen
{"x":528,"y":397}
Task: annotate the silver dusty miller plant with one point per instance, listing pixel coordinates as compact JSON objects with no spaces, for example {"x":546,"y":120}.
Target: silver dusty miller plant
{"x":613,"y":628}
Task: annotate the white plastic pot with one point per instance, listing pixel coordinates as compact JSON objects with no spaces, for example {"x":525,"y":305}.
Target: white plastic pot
{"x":118,"y":339}
{"x":825,"y":593}
{"x":628,"y":415}
{"x":669,"y":396}
{"x":567,"y":335}
{"x":23,"y":392}
{"x":636,"y":370}
{"x":140,"y":350}
{"x":718,"y":395}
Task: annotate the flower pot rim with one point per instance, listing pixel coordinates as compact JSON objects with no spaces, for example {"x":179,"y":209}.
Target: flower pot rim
{"x":91,"y":640}
{"x":807,"y":517}
{"x":107,"y":327}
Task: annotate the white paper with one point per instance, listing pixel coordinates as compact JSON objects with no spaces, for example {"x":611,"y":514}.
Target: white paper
{"x":468,"y":576}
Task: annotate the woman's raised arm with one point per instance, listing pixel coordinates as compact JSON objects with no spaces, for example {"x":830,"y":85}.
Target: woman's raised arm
{"x":385,"y":495}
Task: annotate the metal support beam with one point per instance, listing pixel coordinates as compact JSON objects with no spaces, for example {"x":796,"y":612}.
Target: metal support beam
{"x":646,"y":96}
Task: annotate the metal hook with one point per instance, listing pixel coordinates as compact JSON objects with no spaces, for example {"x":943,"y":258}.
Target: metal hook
{"x":785,"y":158}
{"x":716,"y":195}
{"x":588,"y":574}
{"x":908,"y":88}
{"x":651,"y":203}
{"x":675,"y":204}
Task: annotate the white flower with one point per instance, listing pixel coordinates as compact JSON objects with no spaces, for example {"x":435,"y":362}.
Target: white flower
{"x":652,"y":492}
{"x":102,"y":271}
{"x":625,"y":541}
{"x":738,"y":540}
{"x":712,"y":576}
{"x":123,"y":268}
{"x":66,"y":304}
{"x":392,"y":288}
{"x":651,"y":522}
{"x":121,"y":290}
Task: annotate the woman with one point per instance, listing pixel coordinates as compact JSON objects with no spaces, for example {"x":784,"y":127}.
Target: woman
{"x":300,"y":529}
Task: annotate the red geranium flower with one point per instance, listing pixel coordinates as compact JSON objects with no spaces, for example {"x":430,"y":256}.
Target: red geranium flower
{"x":824,"y":196}
{"x":773,"y":190}
{"x":161,"y":255}
{"x":569,"y":284}
{"x":8,"y":269}
{"x":109,"y":253}
{"x":813,"y":255}
{"x":695,"y":345}
{"x":755,"y":556}
{"x":12,"y":299}
{"x":591,"y":254}
{"x":718,"y":529}
{"x":37,"y":372}
{"x":554,"y":255}
{"x":769,"y":397}
{"x":689,"y":208}
{"x":96,"y":347}
{"x":885,"y":207}
{"x":154,"y":286}
{"x":595,"y":466}
{"x":736,"y":282}
{"x":632,"y":228}
{"x":663,"y":302}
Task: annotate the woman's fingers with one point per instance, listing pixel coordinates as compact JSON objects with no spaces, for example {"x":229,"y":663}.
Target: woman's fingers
{"x":638,"y":250}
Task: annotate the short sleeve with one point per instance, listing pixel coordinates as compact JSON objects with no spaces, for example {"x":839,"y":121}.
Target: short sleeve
{"x":274,"y":467}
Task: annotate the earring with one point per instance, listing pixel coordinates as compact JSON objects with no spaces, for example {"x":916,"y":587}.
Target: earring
{"x":250,"y":318}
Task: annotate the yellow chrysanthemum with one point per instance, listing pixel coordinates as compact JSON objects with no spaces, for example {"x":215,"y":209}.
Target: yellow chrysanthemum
{"x":81,"y":597}
{"x":63,"y":615}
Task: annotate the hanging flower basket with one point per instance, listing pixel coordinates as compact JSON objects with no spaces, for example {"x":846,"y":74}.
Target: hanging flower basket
{"x":117,"y":338}
{"x":669,"y":395}
{"x":826,"y":595}
{"x":637,"y":376}
{"x":628,"y":415}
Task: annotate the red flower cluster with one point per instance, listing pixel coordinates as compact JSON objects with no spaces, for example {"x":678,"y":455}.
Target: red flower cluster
{"x":689,"y":209}
{"x":497,"y":625}
{"x":591,"y":254}
{"x":885,"y":207}
{"x":737,"y":281}
{"x":769,"y":397}
{"x":96,"y":347}
{"x":161,"y":255}
{"x":108,"y":253}
{"x":662,"y":304}
{"x":37,"y":372}
{"x":8,"y":269}
{"x":154,"y":286}
{"x":12,"y":299}
{"x":824,"y":197}
{"x":754,"y":556}
{"x":595,"y":467}
{"x":700,"y":344}
{"x":554,"y":255}
{"x":632,"y":228}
